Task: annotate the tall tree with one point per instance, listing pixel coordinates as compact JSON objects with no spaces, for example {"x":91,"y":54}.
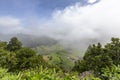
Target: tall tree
{"x":14,"y":44}
{"x":94,"y":59}
{"x":27,"y":58}
{"x":113,"y":49}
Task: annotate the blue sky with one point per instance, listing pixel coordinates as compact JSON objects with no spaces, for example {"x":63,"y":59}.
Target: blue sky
{"x":39,"y":8}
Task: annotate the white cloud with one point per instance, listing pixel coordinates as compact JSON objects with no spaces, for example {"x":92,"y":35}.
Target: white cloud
{"x":76,"y":23}
{"x":91,"y":1}
{"x":79,"y":25}
{"x":10,"y":25}
{"x":9,"y":21}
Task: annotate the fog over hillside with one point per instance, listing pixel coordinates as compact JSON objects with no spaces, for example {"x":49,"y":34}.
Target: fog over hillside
{"x":30,"y":40}
{"x":34,"y":41}
{"x":75,"y":25}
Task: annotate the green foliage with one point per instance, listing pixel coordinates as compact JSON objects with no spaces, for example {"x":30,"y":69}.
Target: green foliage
{"x":91,"y":77}
{"x":111,"y":73}
{"x":97,"y":57}
{"x":27,"y":58}
{"x":80,"y":66}
{"x":3,"y":57}
{"x":7,"y":59}
{"x":25,"y":53}
{"x":15,"y":57}
{"x":49,"y":74}
{"x":61,"y":61}
{"x":30,"y":65}
{"x":57,"y":56}
{"x":113,"y":49}
{"x":3,"y":44}
{"x":14,"y":44}
{"x":38,"y":74}
{"x":4,"y":75}
{"x":24,"y":58}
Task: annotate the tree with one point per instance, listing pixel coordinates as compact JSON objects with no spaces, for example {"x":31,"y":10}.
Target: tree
{"x":14,"y":44}
{"x":80,"y":66}
{"x":2,"y":44}
{"x":7,"y":60}
{"x":3,"y":57}
{"x":27,"y":58}
{"x":93,"y":51}
{"x":94,"y":59}
{"x":14,"y":57}
{"x":113,"y":50}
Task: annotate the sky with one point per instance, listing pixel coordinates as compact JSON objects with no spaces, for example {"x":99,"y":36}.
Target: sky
{"x":22,"y":15}
{"x":39,"y":8}
{"x":68,"y":20}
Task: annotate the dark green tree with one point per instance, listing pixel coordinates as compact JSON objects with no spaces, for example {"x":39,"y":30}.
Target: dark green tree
{"x":113,"y":50}
{"x":80,"y":66}
{"x":3,"y":57}
{"x":96,"y":58}
{"x":7,"y":60}
{"x":27,"y":58}
{"x":14,"y":44}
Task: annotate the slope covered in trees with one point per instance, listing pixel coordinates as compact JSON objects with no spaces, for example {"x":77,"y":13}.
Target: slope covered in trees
{"x":15,"y":57}
{"x":53,"y":63}
{"x":97,"y":57}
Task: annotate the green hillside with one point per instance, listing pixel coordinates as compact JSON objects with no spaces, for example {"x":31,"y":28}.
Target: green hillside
{"x":59,"y":56}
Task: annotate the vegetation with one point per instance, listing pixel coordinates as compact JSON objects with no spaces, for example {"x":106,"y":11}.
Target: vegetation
{"x":111,"y":73}
{"x":39,"y":74}
{"x":14,"y":57}
{"x":97,"y":58}
{"x":58,"y":56}
{"x":14,"y":45}
{"x":55,"y":63}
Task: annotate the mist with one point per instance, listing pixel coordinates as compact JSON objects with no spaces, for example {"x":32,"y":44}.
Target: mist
{"x":75,"y":26}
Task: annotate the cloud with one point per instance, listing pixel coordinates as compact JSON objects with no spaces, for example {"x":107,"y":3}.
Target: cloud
{"x":91,"y":1}
{"x":9,"y":21}
{"x":85,"y":24}
{"x":77,"y":25}
{"x":10,"y":25}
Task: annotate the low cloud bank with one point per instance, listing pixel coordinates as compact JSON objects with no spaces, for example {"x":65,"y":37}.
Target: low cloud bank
{"x":75,"y":25}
